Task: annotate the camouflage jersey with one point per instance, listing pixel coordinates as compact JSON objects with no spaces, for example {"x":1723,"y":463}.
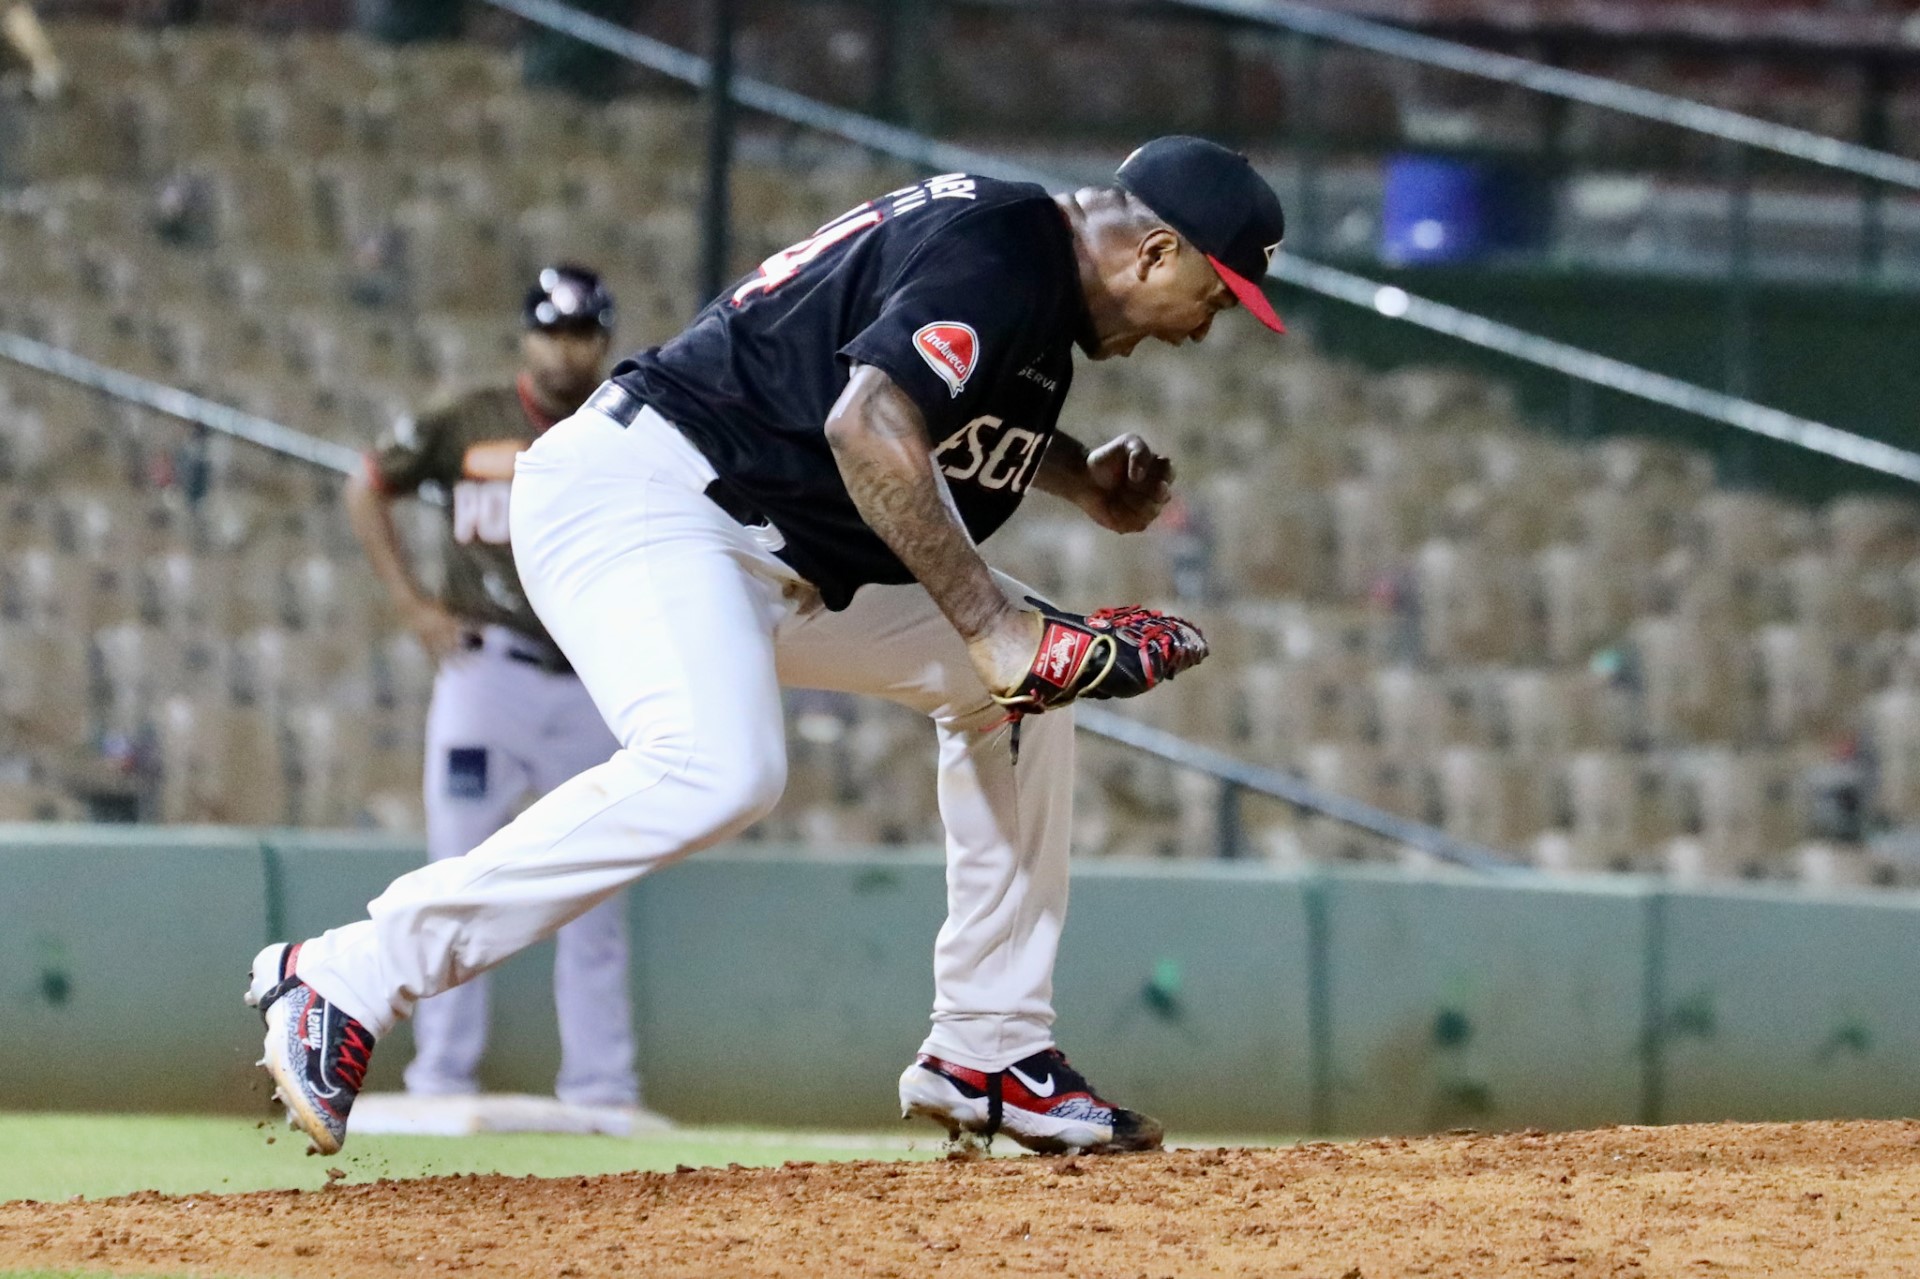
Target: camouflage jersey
{"x":465,"y":443}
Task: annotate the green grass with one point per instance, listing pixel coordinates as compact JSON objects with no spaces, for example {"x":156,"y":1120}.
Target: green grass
{"x":52,"y":1157}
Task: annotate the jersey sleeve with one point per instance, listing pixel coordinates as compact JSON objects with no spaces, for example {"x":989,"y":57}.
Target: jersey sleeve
{"x":407,"y":453}
{"x":959,"y":311}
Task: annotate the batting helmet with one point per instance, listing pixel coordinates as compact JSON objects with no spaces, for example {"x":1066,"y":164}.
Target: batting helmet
{"x":569,"y":297}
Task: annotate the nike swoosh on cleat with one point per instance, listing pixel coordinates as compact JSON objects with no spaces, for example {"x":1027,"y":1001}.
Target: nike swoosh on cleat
{"x":1037,"y":1089}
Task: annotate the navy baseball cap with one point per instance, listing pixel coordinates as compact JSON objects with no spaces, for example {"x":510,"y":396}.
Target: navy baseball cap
{"x":1213,"y":197}
{"x":568,"y":298}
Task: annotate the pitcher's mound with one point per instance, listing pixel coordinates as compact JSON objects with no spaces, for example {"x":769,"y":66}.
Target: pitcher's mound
{"x":1720,"y":1200}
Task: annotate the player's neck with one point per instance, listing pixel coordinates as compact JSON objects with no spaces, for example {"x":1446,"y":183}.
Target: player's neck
{"x":542,"y":408}
{"x":1084,"y":224}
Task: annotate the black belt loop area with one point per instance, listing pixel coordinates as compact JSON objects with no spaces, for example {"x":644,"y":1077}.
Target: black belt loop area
{"x":624,"y":407}
{"x":553,"y":665}
{"x":552,"y":662}
{"x":616,"y":402}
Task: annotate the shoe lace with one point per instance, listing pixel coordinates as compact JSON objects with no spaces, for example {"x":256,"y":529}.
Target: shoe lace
{"x":356,"y":1048}
{"x":1069,"y":1079}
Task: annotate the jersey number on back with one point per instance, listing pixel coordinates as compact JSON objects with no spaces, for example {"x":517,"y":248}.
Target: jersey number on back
{"x":786,"y":264}
{"x":990,"y":456}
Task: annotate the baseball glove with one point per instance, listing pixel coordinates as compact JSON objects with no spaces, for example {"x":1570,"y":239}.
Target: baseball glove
{"x":1115,"y":652}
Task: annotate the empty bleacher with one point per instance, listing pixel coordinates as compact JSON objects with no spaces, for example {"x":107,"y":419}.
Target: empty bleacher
{"x":1588,"y":654}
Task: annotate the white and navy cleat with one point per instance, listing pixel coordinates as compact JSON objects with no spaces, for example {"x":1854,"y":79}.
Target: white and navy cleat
{"x":316,"y":1054}
{"x":1040,"y":1101}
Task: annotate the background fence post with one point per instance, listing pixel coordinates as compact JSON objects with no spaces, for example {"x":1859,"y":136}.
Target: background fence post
{"x":1303,"y":68}
{"x":1233,"y":840}
{"x":1320,"y":1117}
{"x":1653,"y":1014}
{"x":1737,"y":335}
{"x":716,"y":211}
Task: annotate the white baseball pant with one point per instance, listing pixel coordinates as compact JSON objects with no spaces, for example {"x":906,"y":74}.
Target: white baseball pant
{"x":499,"y":728}
{"x":683,"y":626}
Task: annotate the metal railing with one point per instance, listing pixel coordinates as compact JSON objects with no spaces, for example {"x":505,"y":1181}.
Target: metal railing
{"x":1570,"y":86}
{"x":176,"y":403}
{"x":1738,"y":136}
{"x":1582,"y":366}
{"x":1236,"y":777}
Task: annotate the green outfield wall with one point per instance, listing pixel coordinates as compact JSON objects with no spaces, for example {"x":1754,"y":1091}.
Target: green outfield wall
{"x":776,"y":987}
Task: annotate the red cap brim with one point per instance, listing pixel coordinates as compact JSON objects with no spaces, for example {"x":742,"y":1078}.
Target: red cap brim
{"x":1251,"y":295}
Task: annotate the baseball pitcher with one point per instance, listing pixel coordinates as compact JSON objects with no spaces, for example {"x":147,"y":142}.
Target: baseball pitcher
{"x":792,"y":492}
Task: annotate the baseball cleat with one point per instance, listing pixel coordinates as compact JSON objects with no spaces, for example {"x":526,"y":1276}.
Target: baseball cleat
{"x":316,"y":1054}
{"x":1041,"y":1102}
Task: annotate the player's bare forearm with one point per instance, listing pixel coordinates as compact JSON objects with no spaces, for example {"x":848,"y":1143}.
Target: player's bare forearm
{"x":1063,"y":469}
{"x":885,"y":456}
{"x":370,"y":513}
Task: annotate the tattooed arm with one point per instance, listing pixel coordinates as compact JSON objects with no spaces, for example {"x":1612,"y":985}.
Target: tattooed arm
{"x":880,"y":442}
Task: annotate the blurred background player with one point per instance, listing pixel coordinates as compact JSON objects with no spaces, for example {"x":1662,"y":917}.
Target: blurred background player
{"x":25,"y":42}
{"x":509,"y":719}
{"x":28,"y":67}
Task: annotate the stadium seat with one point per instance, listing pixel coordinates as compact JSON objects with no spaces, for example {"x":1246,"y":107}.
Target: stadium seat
{"x":52,"y":591}
{"x":1746,"y":825}
{"x":455,"y":260}
{"x":1863,"y":530}
{"x":220,"y":763}
{"x":44,"y":695}
{"x":138,"y":667}
{"x":30,"y":801}
{"x":1698,"y":682}
{"x":328,"y":598}
{"x":1584,"y":599}
{"x":1470,"y":610}
{"x":1609,"y":633}
{"x":1830,"y":866}
{"x":1419,"y":713}
{"x":1854,"y":596}
{"x":330,"y":757}
{"x":1361,"y":773}
{"x":1619,"y":818}
{"x":1374,"y":528}
{"x":1491,"y":798}
{"x":1550,"y":715}
{"x":1806,"y":678}
{"x":1893,"y":728}
{"x":1739,"y":530}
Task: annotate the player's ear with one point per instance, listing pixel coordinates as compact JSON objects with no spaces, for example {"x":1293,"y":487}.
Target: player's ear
{"x":1157,"y":246}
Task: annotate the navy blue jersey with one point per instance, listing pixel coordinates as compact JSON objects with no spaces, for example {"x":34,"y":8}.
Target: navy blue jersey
{"x":965,"y":291}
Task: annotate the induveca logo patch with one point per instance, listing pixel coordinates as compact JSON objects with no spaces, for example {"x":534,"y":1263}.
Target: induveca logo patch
{"x":951,"y":349}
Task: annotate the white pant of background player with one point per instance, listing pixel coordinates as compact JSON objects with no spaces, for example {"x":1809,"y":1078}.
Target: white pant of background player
{"x":683,"y":627}
{"x":500,"y":728}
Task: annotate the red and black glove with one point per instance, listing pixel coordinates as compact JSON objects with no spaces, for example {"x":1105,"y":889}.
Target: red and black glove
{"x":1115,"y":652}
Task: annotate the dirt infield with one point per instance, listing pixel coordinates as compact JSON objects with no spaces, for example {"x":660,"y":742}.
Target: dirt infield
{"x":1795,"y":1199}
